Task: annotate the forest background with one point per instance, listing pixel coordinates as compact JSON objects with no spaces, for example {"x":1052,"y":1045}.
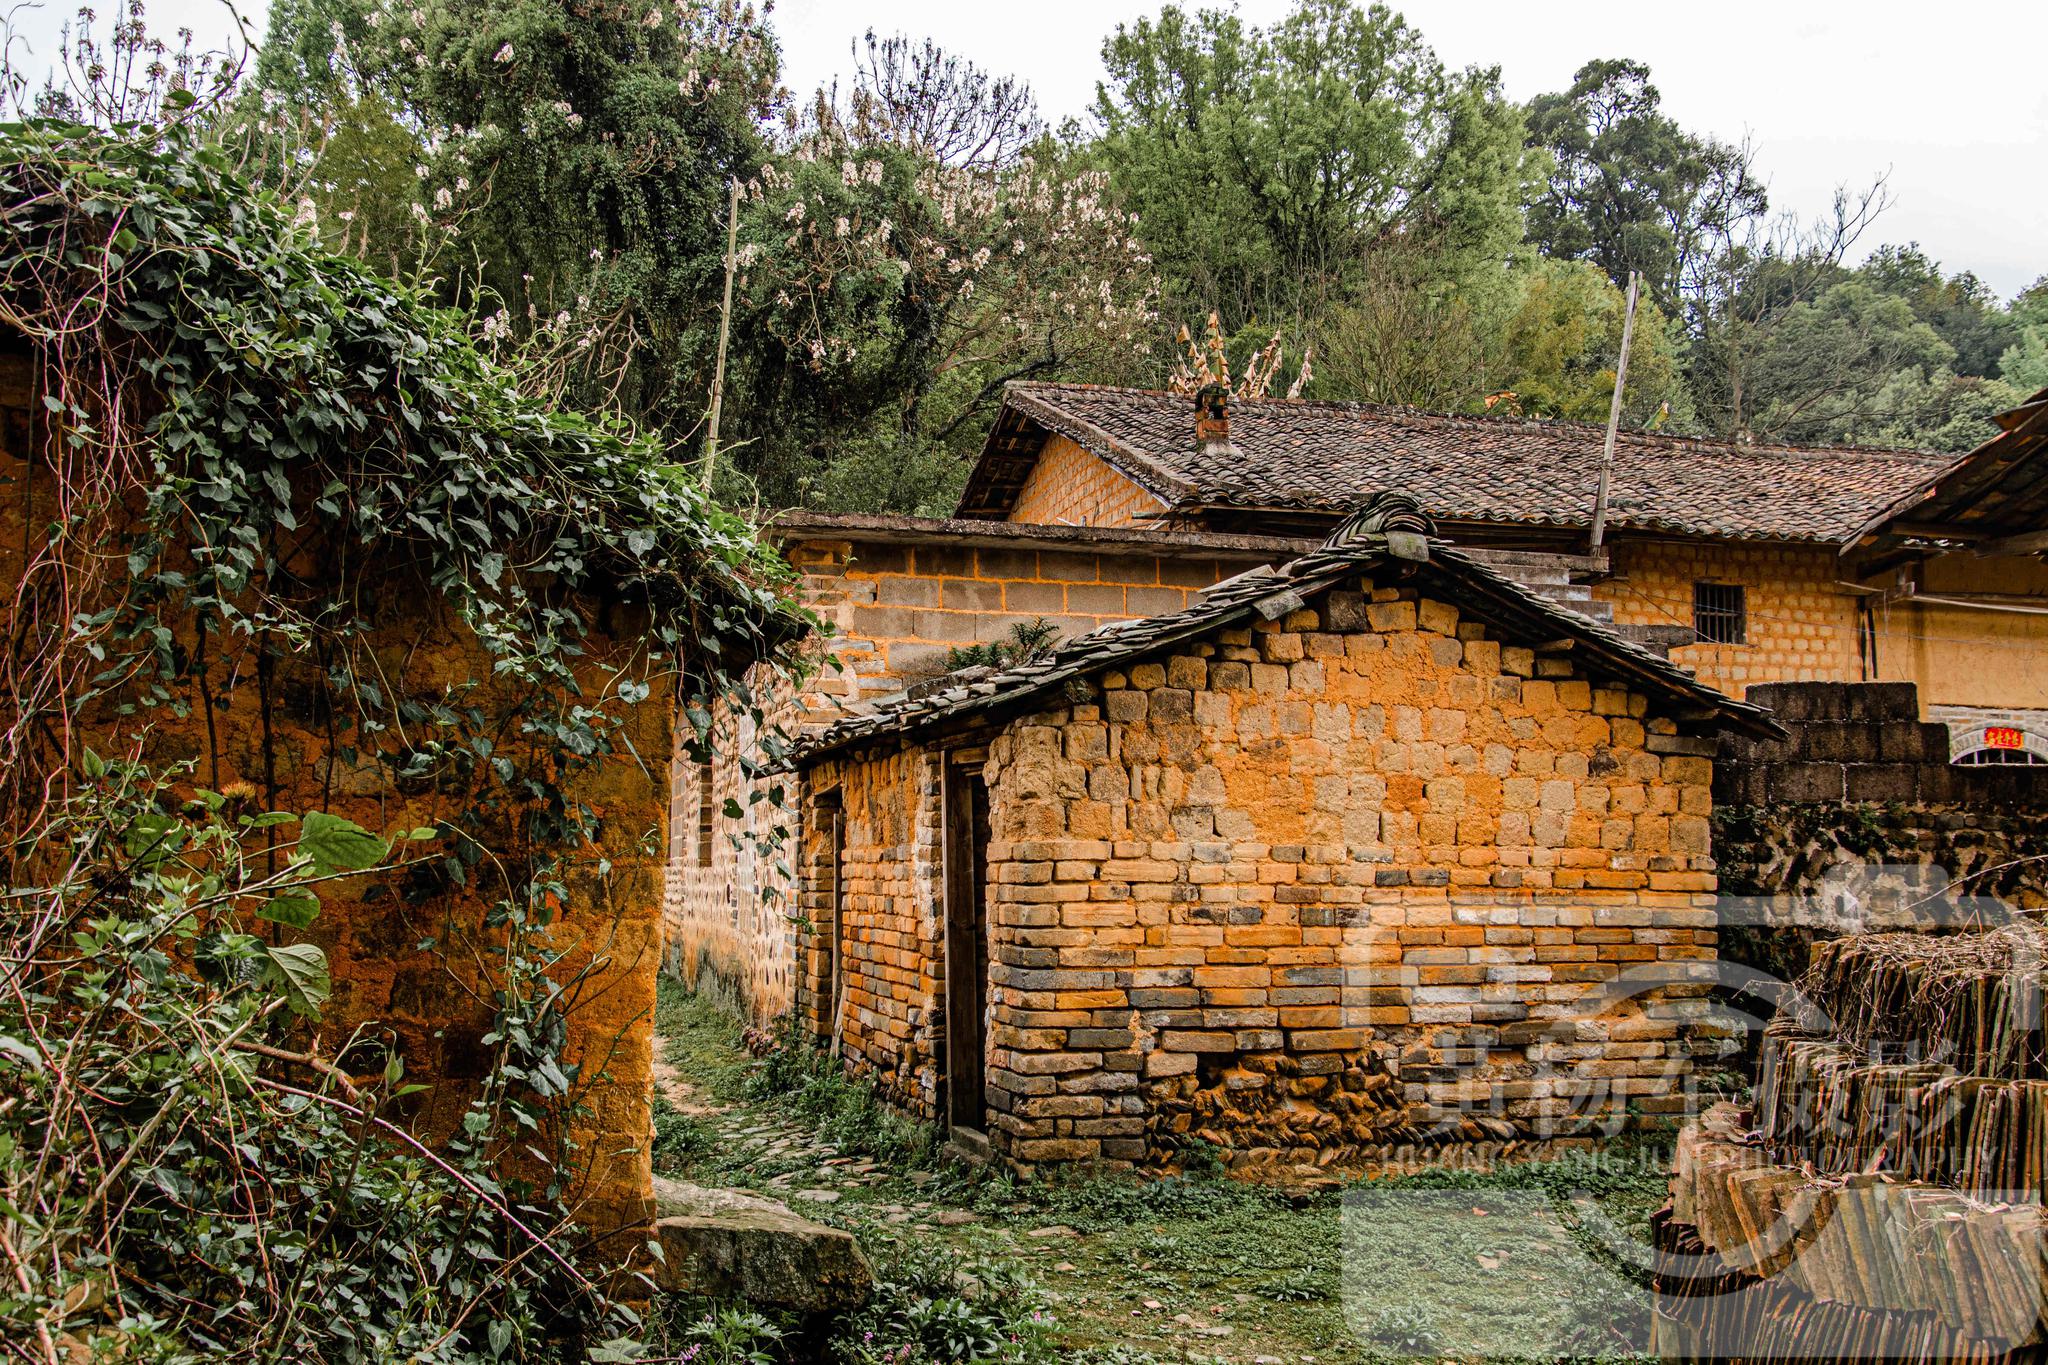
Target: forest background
{"x":916,"y":236}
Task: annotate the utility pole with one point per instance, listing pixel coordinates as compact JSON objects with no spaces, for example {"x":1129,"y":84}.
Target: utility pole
{"x":732,"y":261}
{"x":1628,"y":331}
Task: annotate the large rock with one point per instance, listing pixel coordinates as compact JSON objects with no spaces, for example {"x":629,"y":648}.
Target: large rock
{"x":731,"y":1244}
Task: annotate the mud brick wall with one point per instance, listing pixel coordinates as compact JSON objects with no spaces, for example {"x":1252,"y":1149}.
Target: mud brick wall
{"x":1802,"y":625}
{"x":404,"y":953}
{"x":1069,"y":486}
{"x":895,"y":609}
{"x":1860,"y":783}
{"x":1314,"y":890}
{"x":727,"y":906}
{"x":898,"y":609}
{"x":887,"y":881}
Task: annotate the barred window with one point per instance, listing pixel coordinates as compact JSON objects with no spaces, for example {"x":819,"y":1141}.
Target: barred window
{"x":1720,"y":614}
{"x":706,"y":813}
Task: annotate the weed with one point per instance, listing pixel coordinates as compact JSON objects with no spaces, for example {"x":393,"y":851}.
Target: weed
{"x":678,"y":1138}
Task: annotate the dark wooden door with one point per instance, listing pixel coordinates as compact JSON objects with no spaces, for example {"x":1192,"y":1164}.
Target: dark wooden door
{"x":966,"y":799}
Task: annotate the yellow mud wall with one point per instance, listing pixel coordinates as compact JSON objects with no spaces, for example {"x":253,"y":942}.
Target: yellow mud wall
{"x":1802,"y":622}
{"x":1970,"y":656}
{"x":410,"y":955}
{"x":1070,"y":486}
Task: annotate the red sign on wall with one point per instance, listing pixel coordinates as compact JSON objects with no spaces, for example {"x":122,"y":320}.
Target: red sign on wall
{"x":2003,"y":737}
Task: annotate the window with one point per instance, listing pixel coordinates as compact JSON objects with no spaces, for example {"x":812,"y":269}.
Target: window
{"x":706,"y":808}
{"x":1720,"y":614}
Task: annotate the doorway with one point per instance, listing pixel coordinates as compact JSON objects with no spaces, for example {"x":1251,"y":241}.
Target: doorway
{"x":966,"y":869}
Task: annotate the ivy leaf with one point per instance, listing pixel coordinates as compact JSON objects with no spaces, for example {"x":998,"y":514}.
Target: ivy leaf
{"x":300,"y":970}
{"x":500,"y":1332}
{"x":297,"y":909}
{"x":338,"y":845}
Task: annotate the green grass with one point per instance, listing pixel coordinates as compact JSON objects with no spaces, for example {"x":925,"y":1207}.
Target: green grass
{"x":1501,"y":1264}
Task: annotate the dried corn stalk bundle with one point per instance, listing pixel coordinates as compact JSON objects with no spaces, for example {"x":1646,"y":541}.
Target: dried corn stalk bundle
{"x":1970,"y":1001}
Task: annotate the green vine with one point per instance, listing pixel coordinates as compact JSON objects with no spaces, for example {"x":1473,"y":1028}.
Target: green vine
{"x":265,"y":483}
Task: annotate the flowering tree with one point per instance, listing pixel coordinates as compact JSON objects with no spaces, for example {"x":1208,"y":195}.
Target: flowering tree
{"x":904,"y":261}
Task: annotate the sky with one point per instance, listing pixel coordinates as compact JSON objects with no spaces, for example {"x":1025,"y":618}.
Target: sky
{"x":1946,"y":100}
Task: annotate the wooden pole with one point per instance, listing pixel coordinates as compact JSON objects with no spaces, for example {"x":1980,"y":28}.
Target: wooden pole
{"x":1628,"y":331}
{"x":732,"y":260}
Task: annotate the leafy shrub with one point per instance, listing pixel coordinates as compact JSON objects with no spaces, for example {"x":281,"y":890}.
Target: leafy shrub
{"x":187,"y":1171}
{"x":813,"y":1086}
{"x":1026,"y":641}
{"x":678,"y":1138}
{"x":929,"y":1310}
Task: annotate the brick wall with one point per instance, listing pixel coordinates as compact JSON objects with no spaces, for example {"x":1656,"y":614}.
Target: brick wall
{"x":1802,"y":626}
{"x":898,"y":609}
{"x":884,"y":1001}
{"x":1069,"y":486}
{"x":895,"y":610}
{"x":1340,"y":883}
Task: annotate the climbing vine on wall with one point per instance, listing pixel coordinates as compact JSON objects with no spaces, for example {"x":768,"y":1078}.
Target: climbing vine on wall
{"x":250,"y":459}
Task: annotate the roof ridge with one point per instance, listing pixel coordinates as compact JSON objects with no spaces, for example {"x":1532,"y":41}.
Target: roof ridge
{"x":1403,"y":411}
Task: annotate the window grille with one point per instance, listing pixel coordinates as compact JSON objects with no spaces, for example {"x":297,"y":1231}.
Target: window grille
{"x":1720,"y":614}
{"x":706,"y":808}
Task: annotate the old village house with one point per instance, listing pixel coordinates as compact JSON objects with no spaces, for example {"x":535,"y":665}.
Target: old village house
{"x":1305,"y":849}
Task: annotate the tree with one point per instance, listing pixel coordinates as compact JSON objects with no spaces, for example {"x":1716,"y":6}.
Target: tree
{"x":1268,"y":165}
{"x":1628,"y":188}
{"x":2024,"y":365}
{"x":918,"y":245}
{"x":1558,"y":351}
{"x":1960,"y":307}
{"x":1822,"y":368}
{"x":581,"y":156}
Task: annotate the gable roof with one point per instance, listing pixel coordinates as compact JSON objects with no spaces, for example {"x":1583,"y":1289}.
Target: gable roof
{"x":1375,"y":535}
{"x":1316,"y":457}
{"x":1994,"y":498}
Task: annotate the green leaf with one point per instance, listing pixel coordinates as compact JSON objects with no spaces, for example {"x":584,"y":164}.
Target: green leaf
{"x":297,"y":909}
{"x":300,"y":970}
{"x":338,"y":845}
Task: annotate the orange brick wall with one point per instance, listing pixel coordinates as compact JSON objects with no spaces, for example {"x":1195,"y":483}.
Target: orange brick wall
{"x":897,"y":610}
{"x":1802,"y":625}
{"x":1070,"y":486}
{"x":892,"y":929}
{"x":1331,"y":886}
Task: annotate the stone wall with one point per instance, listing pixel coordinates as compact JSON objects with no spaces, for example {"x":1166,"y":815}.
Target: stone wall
{"x":1314,"y":890}
{"x":1858,"y":821}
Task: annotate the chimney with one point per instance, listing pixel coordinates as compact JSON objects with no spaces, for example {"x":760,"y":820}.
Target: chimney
{"x":1212,"y":420}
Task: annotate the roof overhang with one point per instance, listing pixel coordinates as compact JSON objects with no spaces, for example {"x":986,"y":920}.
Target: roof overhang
{"x":1992,"y":501}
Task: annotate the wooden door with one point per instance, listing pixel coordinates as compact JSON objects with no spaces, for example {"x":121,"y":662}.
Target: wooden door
{"x":966,"y":816}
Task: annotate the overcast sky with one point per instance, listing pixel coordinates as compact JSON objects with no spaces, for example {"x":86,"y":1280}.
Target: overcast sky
{"x":1947,"y":98}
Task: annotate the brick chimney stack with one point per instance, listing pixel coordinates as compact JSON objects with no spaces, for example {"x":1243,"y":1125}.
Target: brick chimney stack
{"x":1212,"y":420}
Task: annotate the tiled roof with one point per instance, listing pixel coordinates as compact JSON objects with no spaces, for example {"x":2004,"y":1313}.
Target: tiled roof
{"x":1446,"y":574}
{"x":1995,"y":496}
{"x":1327,"y":457}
